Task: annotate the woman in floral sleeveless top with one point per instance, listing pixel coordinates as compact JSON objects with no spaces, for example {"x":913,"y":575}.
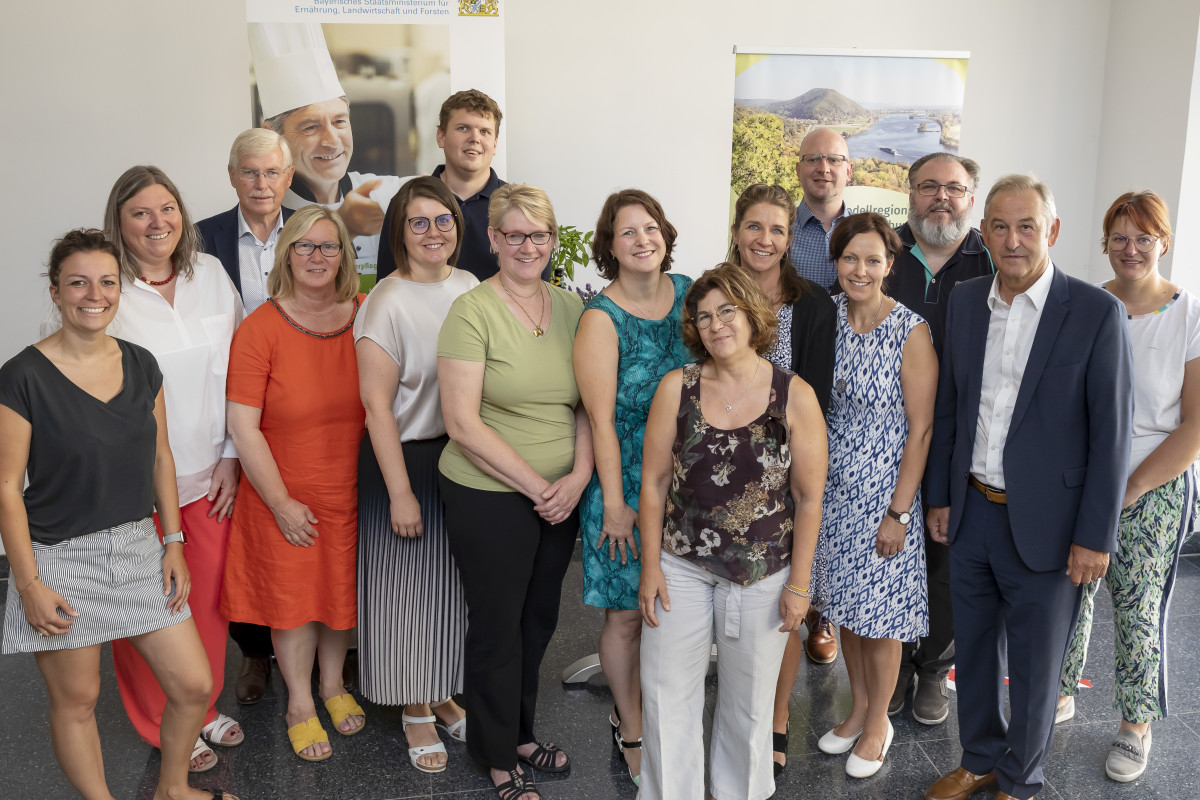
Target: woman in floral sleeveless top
{"x":733,"y":472}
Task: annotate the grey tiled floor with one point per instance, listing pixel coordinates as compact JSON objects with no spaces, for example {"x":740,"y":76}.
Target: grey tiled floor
{"x":373,"y":765}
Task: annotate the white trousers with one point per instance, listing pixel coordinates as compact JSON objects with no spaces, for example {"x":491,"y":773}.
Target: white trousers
{"x":675,"y":658}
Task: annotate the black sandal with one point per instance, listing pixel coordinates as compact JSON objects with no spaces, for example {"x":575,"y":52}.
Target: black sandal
{"x":780,"y":745}
{"x":515,"y":786}
{"x":220,"y":794}
{"x":544,"y":757}
{"x":623,"y":745}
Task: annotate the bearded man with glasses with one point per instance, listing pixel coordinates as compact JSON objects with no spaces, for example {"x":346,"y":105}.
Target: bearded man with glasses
{"x":941,"y":250}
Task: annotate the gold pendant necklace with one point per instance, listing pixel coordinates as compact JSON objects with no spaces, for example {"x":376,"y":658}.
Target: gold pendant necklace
{"x":537,"y":329}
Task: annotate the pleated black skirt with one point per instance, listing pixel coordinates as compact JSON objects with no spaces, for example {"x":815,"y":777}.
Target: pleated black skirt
{"x":411,"y":612}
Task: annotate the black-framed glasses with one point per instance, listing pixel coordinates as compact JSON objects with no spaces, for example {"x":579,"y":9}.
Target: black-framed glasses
{"x":251,"y":175}
{"x":327,"y":248}
{"x":518,"y":239}
{"x":834,"y":159}
{"x":725,"y":313}
{"x":420,"y":225}
{"x":931,"y":188}
{"x":1143,"y":244}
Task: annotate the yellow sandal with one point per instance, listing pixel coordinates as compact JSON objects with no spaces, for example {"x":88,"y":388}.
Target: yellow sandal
{"x":306,"y":734}
{"x":342,"y":706}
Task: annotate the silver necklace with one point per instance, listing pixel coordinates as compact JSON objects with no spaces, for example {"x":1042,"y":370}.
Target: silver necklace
{"x":738,"y":399}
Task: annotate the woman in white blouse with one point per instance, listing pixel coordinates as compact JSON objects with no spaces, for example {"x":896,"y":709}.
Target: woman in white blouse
{"x":179,"y":304}
{"x":1160,"y":492}
{"x":411,"y":611}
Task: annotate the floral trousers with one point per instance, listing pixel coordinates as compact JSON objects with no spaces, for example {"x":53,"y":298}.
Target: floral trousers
{"x":1141,"y":576}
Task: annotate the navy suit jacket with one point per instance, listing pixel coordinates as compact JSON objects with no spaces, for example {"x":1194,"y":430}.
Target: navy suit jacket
{"x":220,"y":235}
{"x":1067,"y":454}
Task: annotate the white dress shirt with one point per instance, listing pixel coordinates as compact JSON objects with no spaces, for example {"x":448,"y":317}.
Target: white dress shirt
{"x":255,"y":260}
{"x":190,"y":340}
{"x":1011,"y":329}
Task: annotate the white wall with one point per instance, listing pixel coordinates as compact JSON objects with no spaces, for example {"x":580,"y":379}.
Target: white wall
{"x":1184,"y":258}
{"x":599,"y":96}
{"x":1147,"y":101}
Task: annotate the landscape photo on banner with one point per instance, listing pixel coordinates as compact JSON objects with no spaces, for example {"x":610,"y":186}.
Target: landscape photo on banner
{"x":355,"y":87}
{"x":892,"y":107}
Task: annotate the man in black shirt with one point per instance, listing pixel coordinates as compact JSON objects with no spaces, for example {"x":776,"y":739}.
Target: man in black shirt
{"x":941,"y":250}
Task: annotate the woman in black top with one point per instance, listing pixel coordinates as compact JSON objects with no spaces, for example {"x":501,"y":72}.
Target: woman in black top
{"x":82,"y":414}
{"x":761,"y":237}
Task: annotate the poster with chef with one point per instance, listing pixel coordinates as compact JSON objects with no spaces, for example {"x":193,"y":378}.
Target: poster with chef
{"x":355,"y":87}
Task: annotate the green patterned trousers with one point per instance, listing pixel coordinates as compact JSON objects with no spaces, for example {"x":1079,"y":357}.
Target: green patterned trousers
{"x":1141,"y":576}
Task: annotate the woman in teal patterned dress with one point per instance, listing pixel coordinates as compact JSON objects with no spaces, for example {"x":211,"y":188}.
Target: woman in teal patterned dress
{"x":628,"y":338}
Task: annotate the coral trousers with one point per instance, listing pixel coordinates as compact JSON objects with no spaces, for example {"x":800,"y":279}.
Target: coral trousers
{"x":205,"y":555}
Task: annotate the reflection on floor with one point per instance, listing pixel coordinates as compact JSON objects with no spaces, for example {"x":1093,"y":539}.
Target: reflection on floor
{"x":374,"y":766}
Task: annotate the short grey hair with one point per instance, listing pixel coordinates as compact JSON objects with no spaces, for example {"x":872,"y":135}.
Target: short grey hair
{"x":258,"y":142}
{"x":1024,"y":183}
{"x":970,"y":165}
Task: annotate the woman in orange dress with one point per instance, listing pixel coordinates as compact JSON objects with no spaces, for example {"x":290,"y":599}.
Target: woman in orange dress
{"x":297,"y":421}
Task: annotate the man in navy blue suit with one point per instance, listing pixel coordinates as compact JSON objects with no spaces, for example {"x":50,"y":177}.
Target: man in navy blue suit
{"x":1025,"y":481}
{"x":243,"y":238}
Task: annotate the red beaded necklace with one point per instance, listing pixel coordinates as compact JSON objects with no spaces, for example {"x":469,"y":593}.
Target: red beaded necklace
{"x":164,"y":282}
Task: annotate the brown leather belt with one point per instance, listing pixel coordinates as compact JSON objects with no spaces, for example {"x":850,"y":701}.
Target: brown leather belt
{"x":993,"y":494}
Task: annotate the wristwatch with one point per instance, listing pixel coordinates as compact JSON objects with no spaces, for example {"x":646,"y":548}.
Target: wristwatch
{"x":903,"y":517}
{"x":171,"y":538}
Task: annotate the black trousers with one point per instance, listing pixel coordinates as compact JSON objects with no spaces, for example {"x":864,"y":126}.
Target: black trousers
{"x":254,"y":640}
{"x":933,"y":655}
{"x":512,"y":564}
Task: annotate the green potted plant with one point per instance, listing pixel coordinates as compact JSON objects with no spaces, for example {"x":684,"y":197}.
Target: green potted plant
{"x":574,"y":249}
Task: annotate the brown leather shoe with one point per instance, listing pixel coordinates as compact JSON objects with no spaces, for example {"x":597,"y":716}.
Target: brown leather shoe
{"x":1004,"y":796}
{"x":958,"y":784}
{"x":821,"y":645}
{"x":252,"y":680}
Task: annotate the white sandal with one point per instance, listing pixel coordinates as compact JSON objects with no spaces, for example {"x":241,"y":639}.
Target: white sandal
{"x":416,"y":752}
{"x":200,"y":749}
{"x":214,"y":732}
{"x":458,"y":730}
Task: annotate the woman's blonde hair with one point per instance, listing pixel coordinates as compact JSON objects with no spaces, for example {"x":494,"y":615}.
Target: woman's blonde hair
{"x":281,"y":284}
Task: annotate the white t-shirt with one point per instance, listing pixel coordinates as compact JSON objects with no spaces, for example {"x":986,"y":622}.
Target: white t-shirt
{"x":1163,"y":342}
{"x":404,"y":317}
{"x":190,"y":340}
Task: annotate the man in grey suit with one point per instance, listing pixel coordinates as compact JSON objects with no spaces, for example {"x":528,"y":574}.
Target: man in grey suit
{"x":1026,"y":475}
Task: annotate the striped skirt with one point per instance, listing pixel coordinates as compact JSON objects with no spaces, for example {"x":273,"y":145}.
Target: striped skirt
{"x":112,"y":577}
{"x":411,"y":610}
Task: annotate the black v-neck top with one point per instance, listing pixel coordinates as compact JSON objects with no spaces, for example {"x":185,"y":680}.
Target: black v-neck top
{"x":91,"y":464}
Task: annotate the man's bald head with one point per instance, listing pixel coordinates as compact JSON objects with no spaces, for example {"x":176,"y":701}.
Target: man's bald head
{"x":822,"y":180}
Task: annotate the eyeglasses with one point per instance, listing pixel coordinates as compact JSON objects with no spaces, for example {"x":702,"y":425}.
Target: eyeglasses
{"x":725,"y":313}
{"x":518,"y":239}
{"x":307,"y":248}
{"x":251,"y":175}
{"x":834,"y":159}
{"x":1143,"y":244}
{"x":419,"y":225}
{"x":929,"y":189}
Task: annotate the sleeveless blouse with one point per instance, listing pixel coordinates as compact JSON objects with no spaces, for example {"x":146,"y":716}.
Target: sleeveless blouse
{"x":729,"y":508}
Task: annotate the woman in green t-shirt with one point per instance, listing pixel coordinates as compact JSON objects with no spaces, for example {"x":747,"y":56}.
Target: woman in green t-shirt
{"x":519,"y":457}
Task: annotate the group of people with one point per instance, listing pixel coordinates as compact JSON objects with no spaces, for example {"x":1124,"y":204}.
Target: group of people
{"x":821,"y":431}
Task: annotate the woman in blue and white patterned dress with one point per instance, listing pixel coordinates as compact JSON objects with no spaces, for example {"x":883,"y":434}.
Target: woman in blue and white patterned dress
{"x":871,"y":560}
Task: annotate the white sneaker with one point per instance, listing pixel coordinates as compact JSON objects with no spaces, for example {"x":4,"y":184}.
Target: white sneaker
{"x":1065,"y":711}
{"x":1127,"y":757}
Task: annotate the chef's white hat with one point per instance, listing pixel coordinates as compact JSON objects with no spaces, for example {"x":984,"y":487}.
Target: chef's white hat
{"x":292,"y":66}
